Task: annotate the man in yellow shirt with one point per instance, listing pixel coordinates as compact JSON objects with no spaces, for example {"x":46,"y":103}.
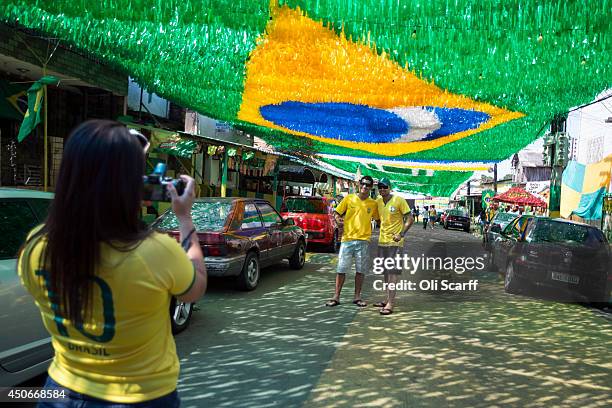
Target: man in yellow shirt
{"x":358,"y":211}
{"x":395,"y":220}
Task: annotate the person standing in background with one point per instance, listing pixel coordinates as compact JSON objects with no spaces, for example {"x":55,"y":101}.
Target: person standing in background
{"x":432,"y":215}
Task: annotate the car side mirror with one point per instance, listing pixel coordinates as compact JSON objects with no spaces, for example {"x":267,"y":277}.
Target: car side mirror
{"x":288,"y":221}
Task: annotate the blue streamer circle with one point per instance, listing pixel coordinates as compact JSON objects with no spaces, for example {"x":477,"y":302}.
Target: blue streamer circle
{"x":342,"y":121}
{"x":361,"y":123}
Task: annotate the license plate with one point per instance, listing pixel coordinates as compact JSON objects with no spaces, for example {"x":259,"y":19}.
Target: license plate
{"x":565,"y":277}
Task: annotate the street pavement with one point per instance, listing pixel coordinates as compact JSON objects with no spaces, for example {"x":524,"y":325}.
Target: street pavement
{"x":280,"y":346}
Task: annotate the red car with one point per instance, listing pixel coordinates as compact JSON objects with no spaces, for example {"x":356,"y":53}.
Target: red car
{"x":315,"y":215}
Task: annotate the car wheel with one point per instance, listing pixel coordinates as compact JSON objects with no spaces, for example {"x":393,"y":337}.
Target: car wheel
{"x":510,"y":280}
{"x":180,"y":315}
{"x":298,"y":258}
{"x":335,"y":245}
{"x":249,"y":276}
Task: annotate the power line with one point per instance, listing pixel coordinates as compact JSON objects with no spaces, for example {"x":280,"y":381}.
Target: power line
{"x":591,"y":103}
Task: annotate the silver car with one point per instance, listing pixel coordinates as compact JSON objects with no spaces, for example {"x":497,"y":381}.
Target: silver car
{"x":25,"y":345}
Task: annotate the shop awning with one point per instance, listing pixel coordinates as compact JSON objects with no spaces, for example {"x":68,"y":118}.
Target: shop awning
{"x":181,"y":147}
{"x":519,"y":196}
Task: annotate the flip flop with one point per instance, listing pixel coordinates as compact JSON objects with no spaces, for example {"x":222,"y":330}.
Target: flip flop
{"x":379,"y":304}
{"x":332,"y":303}
{"x":359,"y":303}
{"x":386,"y":312}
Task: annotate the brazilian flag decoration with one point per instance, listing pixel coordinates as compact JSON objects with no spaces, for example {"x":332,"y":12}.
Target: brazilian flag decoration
{"x":438,"y":84}
{"x":35,"y":100}
{"x":487,"y":195}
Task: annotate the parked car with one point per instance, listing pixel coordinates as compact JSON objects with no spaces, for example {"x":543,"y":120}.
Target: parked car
{"x":493,"y":230}
{"x":457,"y":218}
{"x":542,"y":252}
{"x":25,"y":345}
{"x":239,"y":236}
{"x":315,"y":215}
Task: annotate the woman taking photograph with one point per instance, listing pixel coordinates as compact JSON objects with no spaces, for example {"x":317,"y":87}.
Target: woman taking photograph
{"x":103,"y":281}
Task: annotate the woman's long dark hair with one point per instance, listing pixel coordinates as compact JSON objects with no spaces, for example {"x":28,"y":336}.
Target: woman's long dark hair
{"x":97,"y":200}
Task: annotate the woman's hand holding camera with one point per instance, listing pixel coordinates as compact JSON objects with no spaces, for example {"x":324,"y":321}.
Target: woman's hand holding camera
{"x":181,"y":205}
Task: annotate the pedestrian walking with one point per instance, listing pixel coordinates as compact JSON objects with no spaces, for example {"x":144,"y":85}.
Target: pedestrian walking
{"x":415,"y":213}
{"x":432,"y":215}
{"x":425,"y":216}
{"x":103,"y":282}
{"x":358,"y":210}
{"x":395,"y":220}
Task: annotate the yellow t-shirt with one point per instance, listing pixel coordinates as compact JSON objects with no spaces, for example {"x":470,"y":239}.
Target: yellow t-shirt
{"x":391,"y":219}
{"x":358,"y":216}
{"x":125,"y":352}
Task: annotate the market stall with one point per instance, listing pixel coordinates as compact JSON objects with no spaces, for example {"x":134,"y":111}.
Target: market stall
{"x":521,"y":197}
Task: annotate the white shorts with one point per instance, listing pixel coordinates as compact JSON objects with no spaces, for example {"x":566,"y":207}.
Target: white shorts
{"x":353,"y":249}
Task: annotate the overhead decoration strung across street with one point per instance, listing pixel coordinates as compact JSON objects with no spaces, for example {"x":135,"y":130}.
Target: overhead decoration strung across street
{"x":438,"y":183}
{"x":431,"y":83}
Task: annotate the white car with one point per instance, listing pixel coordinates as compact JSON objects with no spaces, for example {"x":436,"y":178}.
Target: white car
{"x":25,"y":345}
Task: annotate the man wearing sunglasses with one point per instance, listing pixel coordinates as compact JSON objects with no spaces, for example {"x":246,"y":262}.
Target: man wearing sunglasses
{"x":358,"y":211}
{"x":395,"y":220}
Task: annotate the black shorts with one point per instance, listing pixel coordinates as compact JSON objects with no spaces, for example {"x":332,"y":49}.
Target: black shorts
{"x":390,"y":252}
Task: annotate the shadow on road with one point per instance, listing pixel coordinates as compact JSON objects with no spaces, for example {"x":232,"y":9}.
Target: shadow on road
{"x":263,"y":348}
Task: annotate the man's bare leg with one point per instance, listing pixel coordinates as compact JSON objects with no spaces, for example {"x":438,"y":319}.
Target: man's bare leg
{"x":383,"y":303}
{"x":358,"y":285}
{"x":391,"y":293}
{"x":340,"y":277}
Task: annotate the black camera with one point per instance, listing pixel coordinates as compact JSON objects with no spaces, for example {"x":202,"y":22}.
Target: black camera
{"x":156,"y":185}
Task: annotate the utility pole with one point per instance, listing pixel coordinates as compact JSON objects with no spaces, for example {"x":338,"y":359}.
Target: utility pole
{"x":224,"y":173}
{"x":556,"y":149}
{"x":468,"y":198}
{"x":495,"y":178}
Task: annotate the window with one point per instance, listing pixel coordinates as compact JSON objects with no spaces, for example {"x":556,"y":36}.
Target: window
{"x":502,"y":217}
{"x":305,"y":205}
{"x":562,"y":232}
{"x":269,"y":214}
{"x":16,"y":220}
{"x":251,"y":217}
{"x":207,"y":216}
{"x":40,"y":207}
{"x":458,"y":212}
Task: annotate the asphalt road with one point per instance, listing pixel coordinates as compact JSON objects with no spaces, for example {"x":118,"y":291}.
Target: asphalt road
{"x":280,"y":346}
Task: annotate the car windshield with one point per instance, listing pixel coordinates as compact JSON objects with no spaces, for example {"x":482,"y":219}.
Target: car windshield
{"x":304,"y":205}
{"x":458,"y":213}
{"x":504,"y":217}
{"x":563,"y":232}
{"x":207,"y":216}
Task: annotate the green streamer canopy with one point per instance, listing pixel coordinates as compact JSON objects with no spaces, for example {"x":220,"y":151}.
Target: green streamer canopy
{"x":423,"y":81}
